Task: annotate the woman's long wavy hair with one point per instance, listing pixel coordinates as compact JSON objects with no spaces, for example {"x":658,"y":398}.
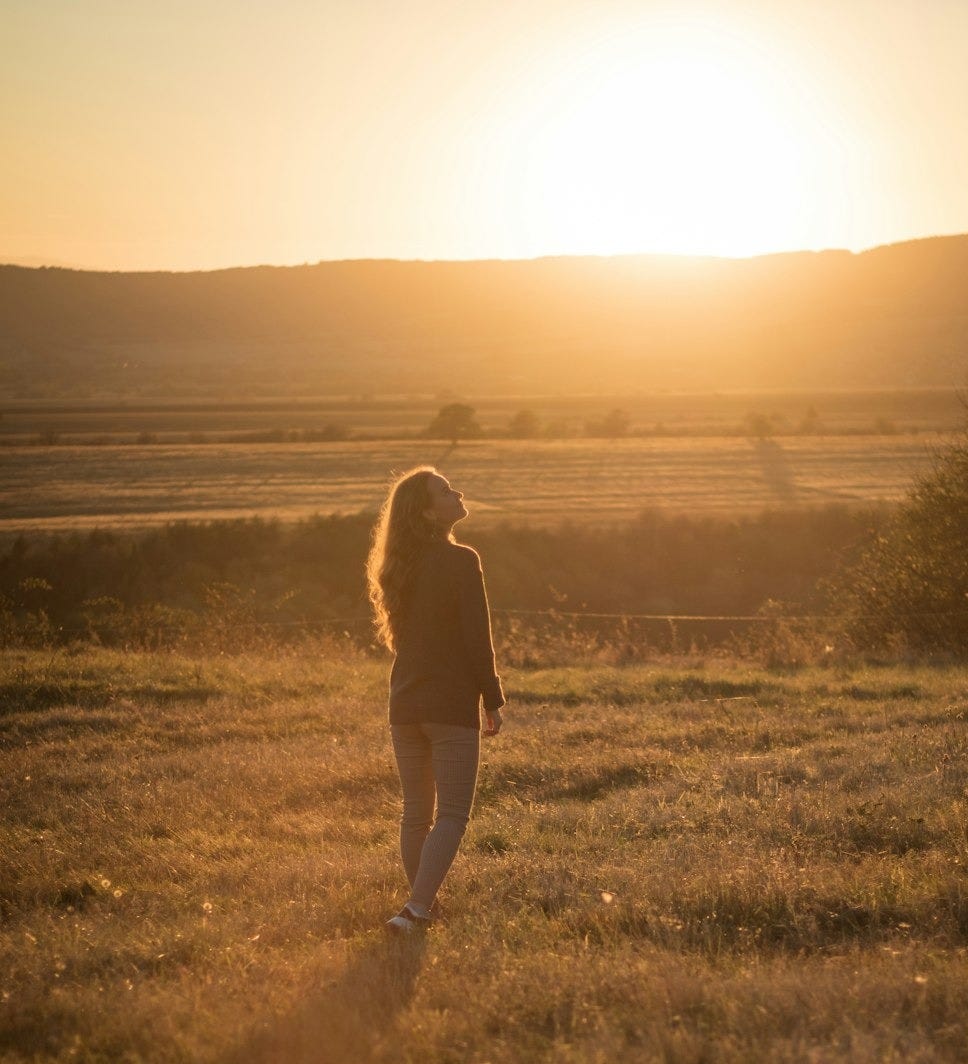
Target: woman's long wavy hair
{"x":399,"y":537}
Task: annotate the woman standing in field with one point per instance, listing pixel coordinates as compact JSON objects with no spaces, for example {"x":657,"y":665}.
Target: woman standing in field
{"x":431,"y":610}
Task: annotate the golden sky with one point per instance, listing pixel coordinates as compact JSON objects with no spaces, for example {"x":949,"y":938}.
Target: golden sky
{"x":195,"y":134}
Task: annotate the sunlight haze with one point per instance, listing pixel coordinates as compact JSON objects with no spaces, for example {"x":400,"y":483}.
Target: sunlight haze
{"x":195,"y":136}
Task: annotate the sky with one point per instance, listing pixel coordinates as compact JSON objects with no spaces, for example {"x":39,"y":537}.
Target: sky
{"x":201,"y":134}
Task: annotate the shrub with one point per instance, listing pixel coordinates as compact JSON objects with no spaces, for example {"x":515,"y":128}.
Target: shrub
{"x":909,"y":590}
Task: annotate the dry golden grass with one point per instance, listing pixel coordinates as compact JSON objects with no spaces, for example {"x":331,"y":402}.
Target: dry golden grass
{"x":679,"y":862}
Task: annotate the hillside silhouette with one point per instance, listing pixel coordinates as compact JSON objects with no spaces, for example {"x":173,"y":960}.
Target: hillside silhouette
{"x":894,"y":316}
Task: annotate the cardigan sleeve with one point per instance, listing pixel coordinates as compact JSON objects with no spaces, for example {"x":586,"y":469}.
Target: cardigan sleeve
{"x":476,"y":628}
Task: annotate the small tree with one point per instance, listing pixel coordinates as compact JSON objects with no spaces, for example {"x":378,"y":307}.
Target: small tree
{"x":614,"y":425}
{"x":758,"y":425}
{"x":455,"y":421}
{"x":524,"y":425}
{"x":910,"y":587}
{"x":811,"y":424}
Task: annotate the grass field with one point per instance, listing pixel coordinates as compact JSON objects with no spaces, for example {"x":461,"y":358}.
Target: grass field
{"x":680,"y":862}
{"x":64,"y":487}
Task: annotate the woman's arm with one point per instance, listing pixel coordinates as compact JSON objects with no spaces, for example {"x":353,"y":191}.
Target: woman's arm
{"x":476,"y":628}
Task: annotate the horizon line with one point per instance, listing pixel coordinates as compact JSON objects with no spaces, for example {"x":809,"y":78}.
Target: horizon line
{"x":31,"y":263}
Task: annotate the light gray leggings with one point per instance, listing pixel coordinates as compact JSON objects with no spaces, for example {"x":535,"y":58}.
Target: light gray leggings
{"x":437,"y":763}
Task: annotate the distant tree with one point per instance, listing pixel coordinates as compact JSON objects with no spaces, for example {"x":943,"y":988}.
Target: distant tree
{"x":810,"y":425}
{"x":524,"y":425}
{"x":760,"y":426}
{"x":612,"y":426}
{"x":910,"y":588}
{"x":455,"y":421}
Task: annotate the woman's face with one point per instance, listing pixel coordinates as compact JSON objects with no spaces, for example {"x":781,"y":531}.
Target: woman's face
{"x":446,"y":504}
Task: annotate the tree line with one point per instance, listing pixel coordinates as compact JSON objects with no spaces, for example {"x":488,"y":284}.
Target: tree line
{"x":456,"y":421}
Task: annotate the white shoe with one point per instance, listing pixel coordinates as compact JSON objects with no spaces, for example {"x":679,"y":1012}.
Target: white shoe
{"x":406,"y":922}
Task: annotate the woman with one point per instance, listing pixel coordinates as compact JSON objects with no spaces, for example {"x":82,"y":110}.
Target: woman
{"x":431,"y":611}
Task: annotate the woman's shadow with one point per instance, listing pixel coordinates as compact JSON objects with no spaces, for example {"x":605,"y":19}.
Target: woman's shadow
{"x":344,"y":1018}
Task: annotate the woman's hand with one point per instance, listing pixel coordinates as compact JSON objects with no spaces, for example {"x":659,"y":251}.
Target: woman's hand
{"x":494,"y":721}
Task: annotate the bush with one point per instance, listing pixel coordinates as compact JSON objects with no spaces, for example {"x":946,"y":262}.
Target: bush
{"x":909,"y":590}
{"x":257,"y":579}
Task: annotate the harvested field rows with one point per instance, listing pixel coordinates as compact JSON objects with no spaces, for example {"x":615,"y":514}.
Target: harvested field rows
{"x":62,"y":488}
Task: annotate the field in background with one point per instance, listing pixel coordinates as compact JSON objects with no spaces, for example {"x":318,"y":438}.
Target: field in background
{"x":543,"y":481}
{"x":678,"y":862}
{"x":683,"y":414}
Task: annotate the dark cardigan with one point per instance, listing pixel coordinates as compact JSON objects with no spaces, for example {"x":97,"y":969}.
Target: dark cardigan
{"x":444,"y":656}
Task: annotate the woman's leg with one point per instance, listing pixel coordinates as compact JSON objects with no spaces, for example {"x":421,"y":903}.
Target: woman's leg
{"x":455,"y":757}
{"x":412,"y":750}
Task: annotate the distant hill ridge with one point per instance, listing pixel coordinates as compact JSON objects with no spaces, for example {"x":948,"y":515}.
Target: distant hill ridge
{"x":894,"y":316}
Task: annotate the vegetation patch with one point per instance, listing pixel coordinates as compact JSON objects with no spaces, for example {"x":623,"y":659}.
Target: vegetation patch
{"x":677,"y":861}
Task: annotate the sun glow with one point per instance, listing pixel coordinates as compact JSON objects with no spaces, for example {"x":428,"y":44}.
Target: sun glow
{"x":678,"y":143}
